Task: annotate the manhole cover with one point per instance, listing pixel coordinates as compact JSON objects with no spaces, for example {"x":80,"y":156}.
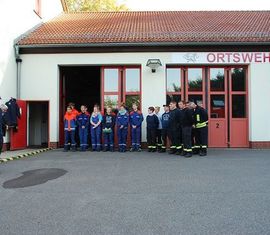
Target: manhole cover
{"x":34,"y":177}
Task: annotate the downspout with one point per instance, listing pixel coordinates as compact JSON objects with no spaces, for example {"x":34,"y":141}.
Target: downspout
{"x":18,"y":72}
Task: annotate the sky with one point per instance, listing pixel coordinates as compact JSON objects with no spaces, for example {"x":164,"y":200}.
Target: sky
{"x":164,"y":5}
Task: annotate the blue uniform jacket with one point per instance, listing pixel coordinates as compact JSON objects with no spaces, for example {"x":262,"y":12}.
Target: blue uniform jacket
{"x":122,"y":120}
{"x":165,"y":118}
{"x":96,"y":119}
{"x":13,"y":112}
{"x":136,"y":118}
{"x":83,"y":120}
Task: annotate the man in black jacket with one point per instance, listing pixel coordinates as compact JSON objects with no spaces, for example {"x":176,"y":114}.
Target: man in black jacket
{"x":174,"y":127}
{"x":201,"y":129}
{"x":187,"y":123}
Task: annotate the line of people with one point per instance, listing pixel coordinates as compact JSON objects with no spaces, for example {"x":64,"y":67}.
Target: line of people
{"x":185,"y":127}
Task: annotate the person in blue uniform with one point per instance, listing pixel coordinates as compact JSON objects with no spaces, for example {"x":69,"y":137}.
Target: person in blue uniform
{"x":152,"y":123}
{"x":108,"y":124}
{"x":122,"y":122}
{"x":83,"y":125}
{"x":70,"y":127}
{"x":165,"y":118}
{"x":136,"y":119}
{"x":3,"y":124}
{"x":95,"y":121}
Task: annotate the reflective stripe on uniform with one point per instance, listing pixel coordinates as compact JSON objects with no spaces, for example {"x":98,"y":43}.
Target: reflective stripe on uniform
{"x":200,"y":125}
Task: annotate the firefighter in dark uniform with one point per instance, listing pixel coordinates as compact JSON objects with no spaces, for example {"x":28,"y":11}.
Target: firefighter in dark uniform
{"x":187,"y":123}
{"x":200,"y":117}
{"x":174,"y":127}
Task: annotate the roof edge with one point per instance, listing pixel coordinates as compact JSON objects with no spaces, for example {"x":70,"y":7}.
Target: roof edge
{"x":127,"y":44}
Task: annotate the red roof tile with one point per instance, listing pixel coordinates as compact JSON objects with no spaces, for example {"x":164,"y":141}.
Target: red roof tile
{"x":155,"y":27}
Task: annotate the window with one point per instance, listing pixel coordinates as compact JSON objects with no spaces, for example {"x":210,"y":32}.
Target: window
{"x":111,"y":77}
{"x":173,"y":84}
{"x":194,"y":79}
{"x":217,"y":79}
{"x":238,"y":79}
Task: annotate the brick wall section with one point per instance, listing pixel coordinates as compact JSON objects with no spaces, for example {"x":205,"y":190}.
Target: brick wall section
{"x":6,"y":146}
{"x":53,"y":145}
{"x":259,"y":145}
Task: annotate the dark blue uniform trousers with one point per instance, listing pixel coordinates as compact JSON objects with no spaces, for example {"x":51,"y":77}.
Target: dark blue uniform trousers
{"x":95,"y":138}
{"x":108,"y":140}
{"x":136,"y":137}
{"x":83,"y":134}
{"x":122,"y":138}
{"x":70,"y":138}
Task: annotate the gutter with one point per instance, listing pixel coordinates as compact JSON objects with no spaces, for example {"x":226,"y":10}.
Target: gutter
{"x":144,"y":44}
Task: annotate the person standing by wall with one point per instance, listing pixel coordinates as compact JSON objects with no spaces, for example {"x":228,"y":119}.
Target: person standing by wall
{"x":95,"y":120}
{"x":152,"y":123}
{"x":122,"y":121}
{"x":136,"y":119}
{"x":108,"y":124}
{"x":70,"y":127}
{"x":83,"y":126}
{"x":174,"y":127}
{"x":3,"y":124}
{"x":165,"y":118}
{"x":187,"y":123}
{"x":201,"y":129}
{"x":158,"y":141}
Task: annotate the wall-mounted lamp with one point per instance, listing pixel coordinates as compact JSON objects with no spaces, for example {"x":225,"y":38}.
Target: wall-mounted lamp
{"x":153,"y":64}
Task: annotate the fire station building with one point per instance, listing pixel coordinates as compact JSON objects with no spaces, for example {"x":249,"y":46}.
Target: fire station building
{"x":221,"y":58}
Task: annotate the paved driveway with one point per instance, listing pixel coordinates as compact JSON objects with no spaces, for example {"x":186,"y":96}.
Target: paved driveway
{"x":227,"y":192}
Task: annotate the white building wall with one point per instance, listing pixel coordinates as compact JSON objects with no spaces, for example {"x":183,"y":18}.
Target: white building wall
{"x":40,"y":81}
{"x":259,"y":99}
{"x":17,"y":17}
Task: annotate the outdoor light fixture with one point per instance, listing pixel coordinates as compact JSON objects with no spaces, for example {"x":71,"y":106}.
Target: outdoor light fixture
{"x":153,"y":64}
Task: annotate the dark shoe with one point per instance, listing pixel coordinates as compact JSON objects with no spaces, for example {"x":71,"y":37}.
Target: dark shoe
{"x":172,"y":151}
{"x":203,"y":153}
{"x":132,"y":150}
{"x":179,"y":152}
{"x":188,"y":155}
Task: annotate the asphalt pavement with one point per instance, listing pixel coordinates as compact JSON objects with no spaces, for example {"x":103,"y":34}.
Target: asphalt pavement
{"x":226,"y":192}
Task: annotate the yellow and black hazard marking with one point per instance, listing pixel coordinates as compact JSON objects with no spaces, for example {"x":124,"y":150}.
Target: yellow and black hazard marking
{"x":33,"y":153}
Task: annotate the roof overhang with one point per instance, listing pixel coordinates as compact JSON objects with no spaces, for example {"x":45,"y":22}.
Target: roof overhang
{"x":142,"y":47}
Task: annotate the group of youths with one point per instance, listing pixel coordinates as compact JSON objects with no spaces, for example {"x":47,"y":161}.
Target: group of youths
{"x":185,"y":126}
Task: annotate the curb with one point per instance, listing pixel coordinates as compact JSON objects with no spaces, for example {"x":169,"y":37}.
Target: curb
{"x":33,"y":153}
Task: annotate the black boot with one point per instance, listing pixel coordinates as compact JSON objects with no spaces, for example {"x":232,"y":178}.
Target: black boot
{"x":203,"y":152}
{"x":172,"y":151}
